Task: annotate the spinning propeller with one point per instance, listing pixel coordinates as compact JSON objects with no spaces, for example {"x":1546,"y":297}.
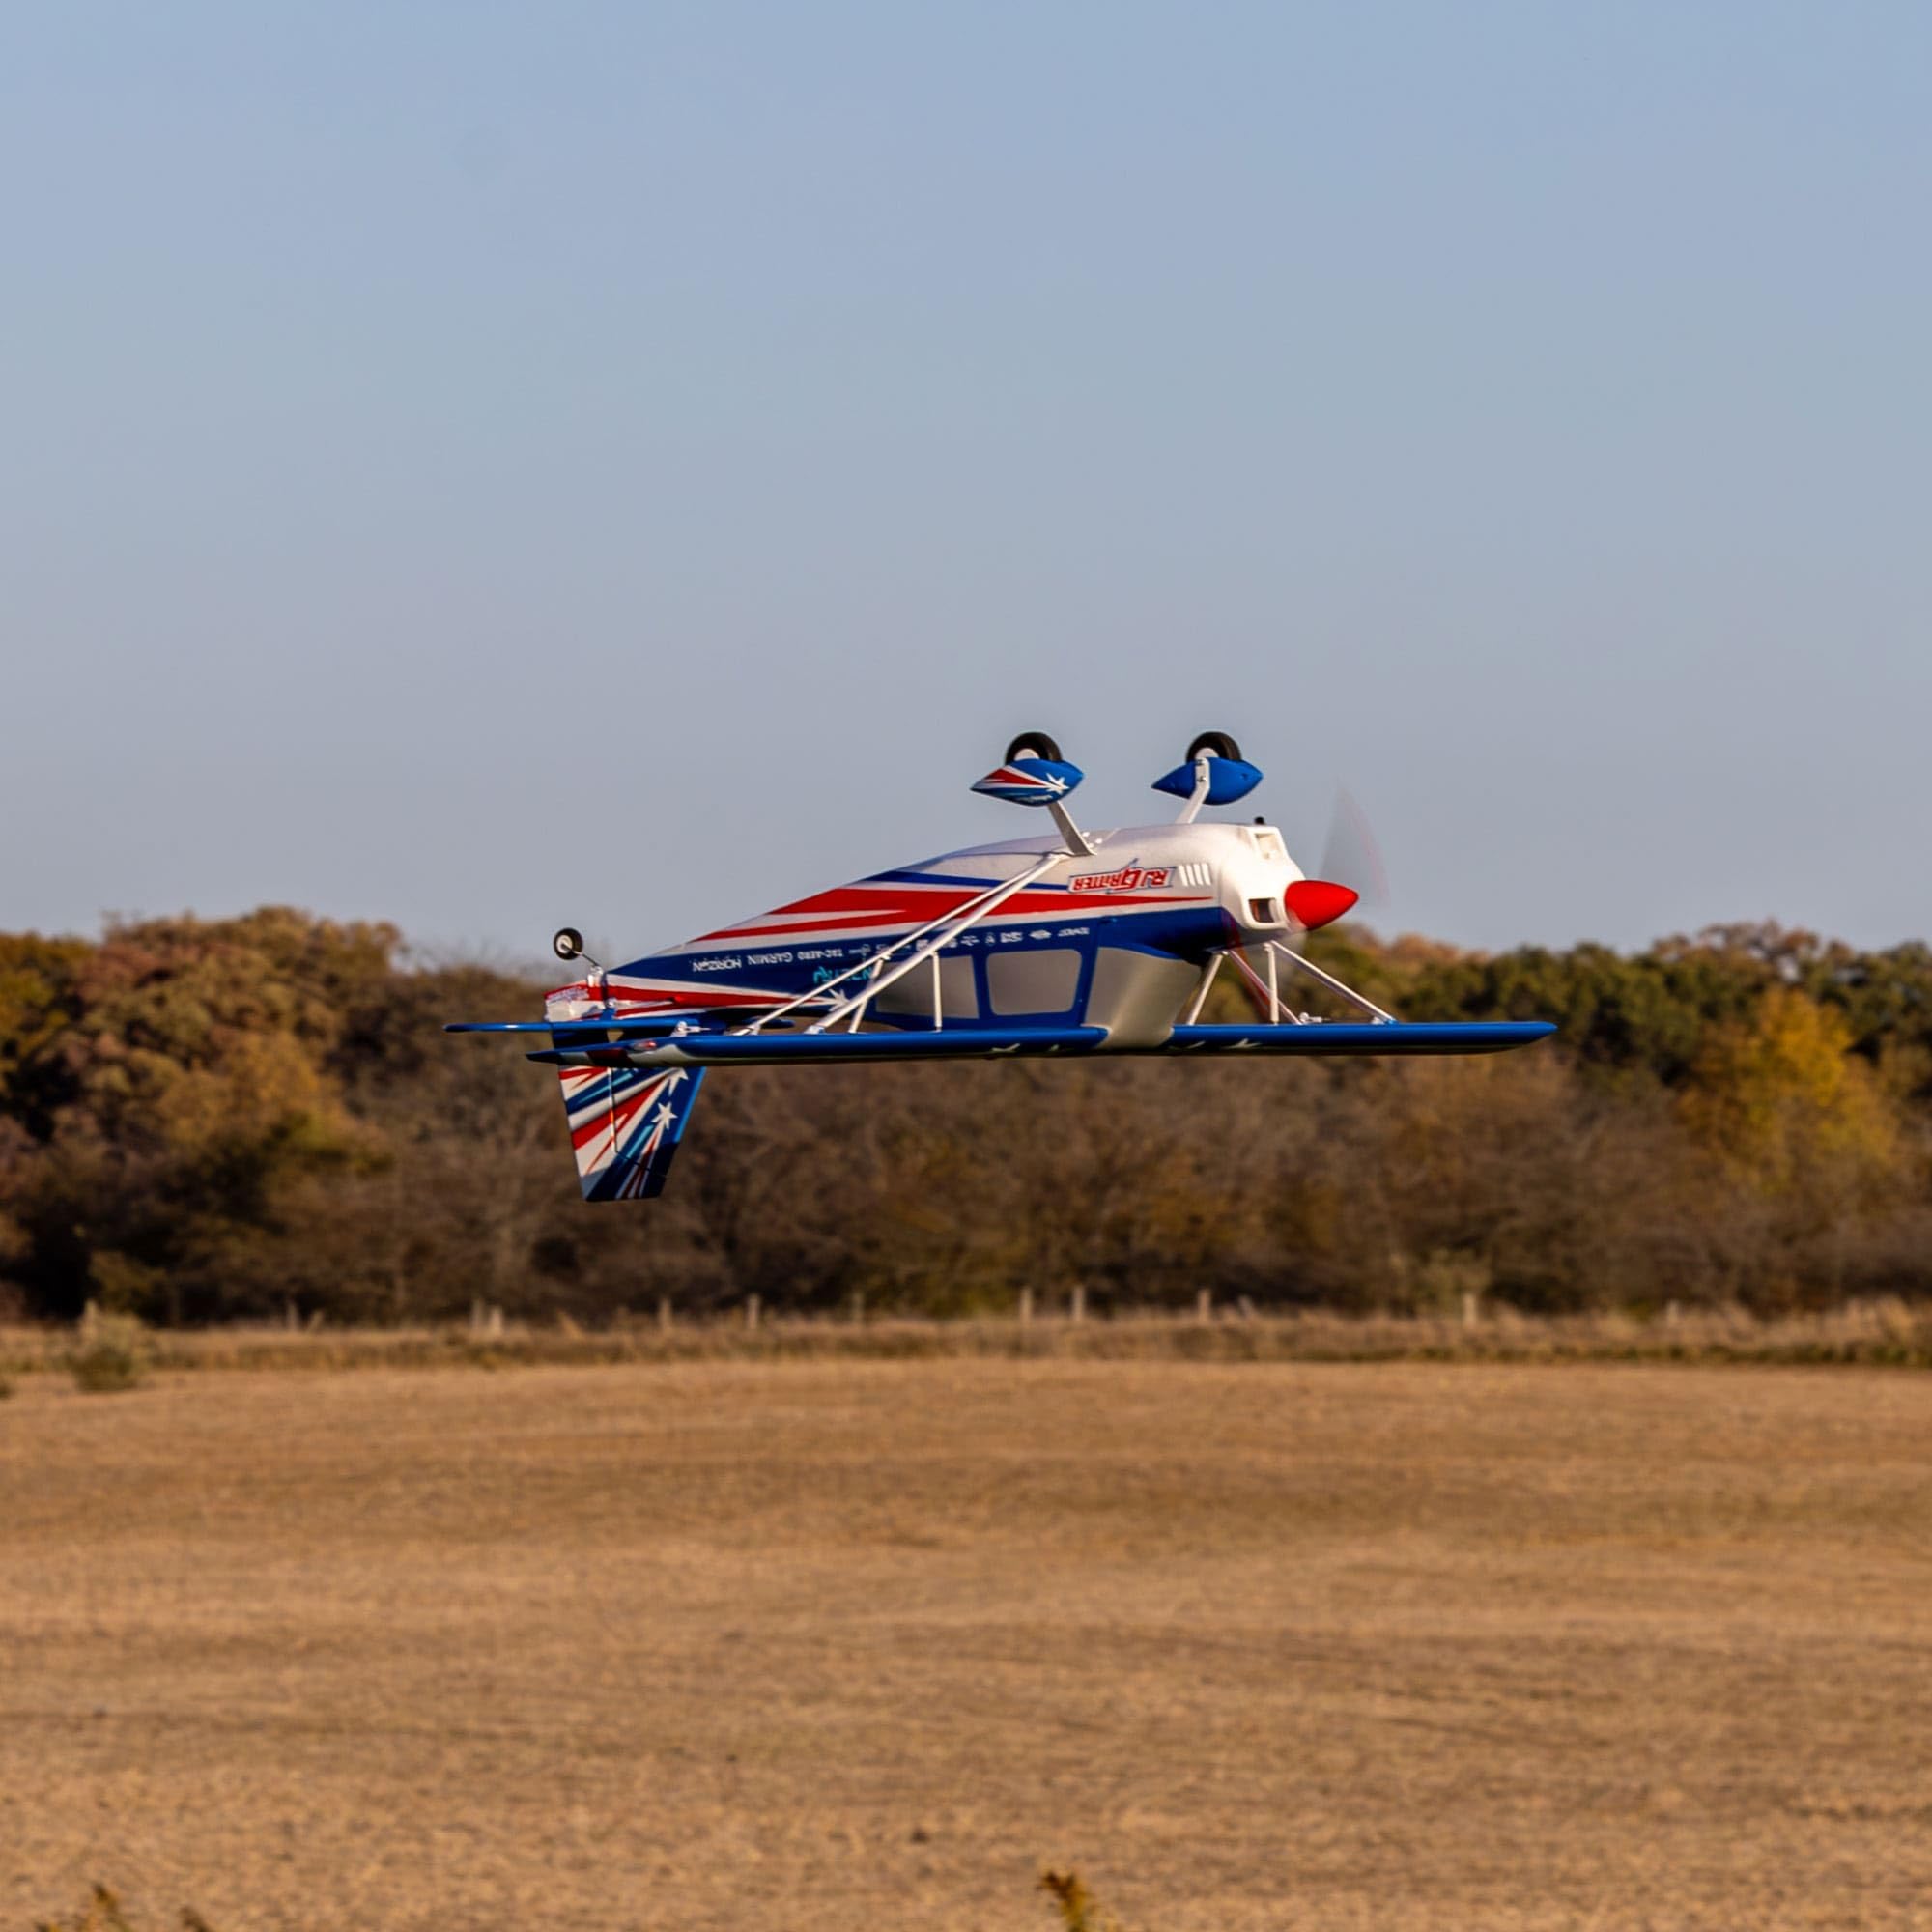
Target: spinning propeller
{"x":1351,"y":874}
{"x":1351,"y":871}
{"x":1350,"y":855}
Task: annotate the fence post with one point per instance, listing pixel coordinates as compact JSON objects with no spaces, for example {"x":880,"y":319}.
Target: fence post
{"x":1672,"y":1313}
{"x":1076,"y":1306}
{"x":495,"y":1319}
{"x":1026,"y":1307}
{"x":858,"y":1302}
{"x":750,"y":1311}
{"x":1204,"y":1304}
{"x":1468,"y":1311}
{"x":663,"y":1315}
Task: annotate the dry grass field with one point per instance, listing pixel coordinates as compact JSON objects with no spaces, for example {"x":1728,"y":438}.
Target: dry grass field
{"x":866,"y":1644}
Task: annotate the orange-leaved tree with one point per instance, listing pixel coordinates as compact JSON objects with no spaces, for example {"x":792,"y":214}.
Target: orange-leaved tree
{"x":1792,"y":1112}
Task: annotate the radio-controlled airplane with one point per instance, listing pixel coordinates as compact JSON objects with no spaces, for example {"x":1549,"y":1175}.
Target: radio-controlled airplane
{"x":1076,"y":942}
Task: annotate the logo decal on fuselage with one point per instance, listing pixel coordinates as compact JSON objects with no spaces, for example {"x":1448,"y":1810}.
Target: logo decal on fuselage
{"x":1128,"y":879}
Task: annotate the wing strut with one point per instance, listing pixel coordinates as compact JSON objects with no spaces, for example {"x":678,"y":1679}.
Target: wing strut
{"x":1357,"y":1000}
{"x":948,"y":925}
{"x":1268,"y":991}
{"x":982,"y":907}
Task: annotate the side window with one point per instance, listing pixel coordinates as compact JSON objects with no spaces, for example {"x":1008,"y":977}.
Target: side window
{"x":913,"y":994}
{"x":1045,"y":982}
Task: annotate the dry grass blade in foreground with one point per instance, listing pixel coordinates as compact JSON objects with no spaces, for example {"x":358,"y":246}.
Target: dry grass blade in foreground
{"x":102,"y":1912}
{"x":1074,"y":1904}
{"x":1078,"y":1909}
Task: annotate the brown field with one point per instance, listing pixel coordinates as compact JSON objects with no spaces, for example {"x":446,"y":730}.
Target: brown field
{"x":866,"y":1644}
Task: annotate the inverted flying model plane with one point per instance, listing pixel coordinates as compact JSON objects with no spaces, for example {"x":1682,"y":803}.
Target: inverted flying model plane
{"x":1075,"y":943}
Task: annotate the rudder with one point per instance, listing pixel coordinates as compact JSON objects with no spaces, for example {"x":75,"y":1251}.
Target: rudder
{"x":625,"y":1125}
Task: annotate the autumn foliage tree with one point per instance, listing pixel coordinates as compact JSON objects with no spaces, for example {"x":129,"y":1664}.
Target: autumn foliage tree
{"x":211,"y":1119}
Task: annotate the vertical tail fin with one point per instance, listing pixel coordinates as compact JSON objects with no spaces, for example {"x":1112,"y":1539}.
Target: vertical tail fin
{"x":625,"y":1125}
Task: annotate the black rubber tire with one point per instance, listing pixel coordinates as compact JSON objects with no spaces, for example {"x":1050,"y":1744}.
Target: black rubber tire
{"x":1216,"y":743}
{"x":1032,"y":745}
{"x":567,"y":943}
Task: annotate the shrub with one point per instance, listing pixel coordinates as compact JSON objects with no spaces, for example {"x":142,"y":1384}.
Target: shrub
{"x":110,"y":1354}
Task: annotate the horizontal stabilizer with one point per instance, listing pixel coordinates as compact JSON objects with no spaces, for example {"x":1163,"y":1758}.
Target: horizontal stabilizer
{"x":593,"y":1033}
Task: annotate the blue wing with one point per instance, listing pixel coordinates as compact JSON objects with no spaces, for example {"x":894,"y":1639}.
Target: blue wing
{"x":1348,"y":1036}
{"x":1315,"y":1038}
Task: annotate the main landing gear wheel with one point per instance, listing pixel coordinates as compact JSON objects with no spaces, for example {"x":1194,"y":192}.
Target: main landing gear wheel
{"x":567,"y":943}
{"x":1216,"y":743}
{"x":1032,"y":745}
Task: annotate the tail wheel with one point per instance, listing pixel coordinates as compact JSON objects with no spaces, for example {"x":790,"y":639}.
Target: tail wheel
{"x":1032,"y":745}
{"x":1216,"y":743}
{"x":567,"y":943}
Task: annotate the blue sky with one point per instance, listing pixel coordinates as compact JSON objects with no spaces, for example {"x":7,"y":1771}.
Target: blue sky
{"x":483,"y":466}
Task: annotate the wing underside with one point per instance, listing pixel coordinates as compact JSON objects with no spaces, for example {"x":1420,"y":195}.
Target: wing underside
{"x":1308,"y":1040}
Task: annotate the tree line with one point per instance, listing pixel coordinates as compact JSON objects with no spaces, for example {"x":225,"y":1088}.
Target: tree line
{"x":202,"y":1121}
